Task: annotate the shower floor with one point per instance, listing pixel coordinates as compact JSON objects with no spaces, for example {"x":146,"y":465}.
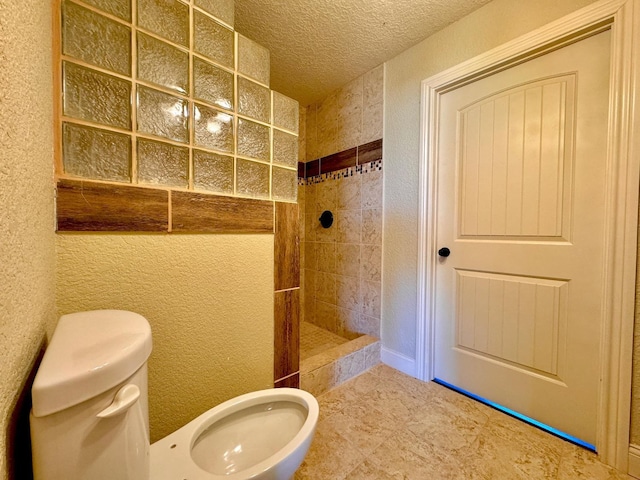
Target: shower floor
{"x":315,"y":340}
{"x":327,"y":359}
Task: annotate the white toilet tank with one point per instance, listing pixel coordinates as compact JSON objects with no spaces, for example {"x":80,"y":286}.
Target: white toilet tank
{"x":90,"y":419}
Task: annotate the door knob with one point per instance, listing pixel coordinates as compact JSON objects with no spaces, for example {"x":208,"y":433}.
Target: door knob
{"x":444,"y":252}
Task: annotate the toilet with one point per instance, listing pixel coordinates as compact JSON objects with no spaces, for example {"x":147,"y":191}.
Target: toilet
{"x":90,"y":421}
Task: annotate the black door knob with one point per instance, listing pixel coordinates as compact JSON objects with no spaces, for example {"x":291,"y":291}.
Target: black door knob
{"x":444,"y":252}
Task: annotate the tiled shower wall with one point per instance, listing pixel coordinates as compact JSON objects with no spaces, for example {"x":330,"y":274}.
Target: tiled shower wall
{"x":165,"y":93}
{"x":341,"y":275}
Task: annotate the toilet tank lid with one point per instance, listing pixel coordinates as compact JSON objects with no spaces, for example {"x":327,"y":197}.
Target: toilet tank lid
{"x":89,"y":353}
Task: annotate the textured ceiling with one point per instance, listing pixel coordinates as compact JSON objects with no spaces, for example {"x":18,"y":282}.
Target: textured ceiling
{"x":319,"y":45}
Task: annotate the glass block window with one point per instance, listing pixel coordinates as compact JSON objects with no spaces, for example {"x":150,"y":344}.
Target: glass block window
{"x":166,"y":93}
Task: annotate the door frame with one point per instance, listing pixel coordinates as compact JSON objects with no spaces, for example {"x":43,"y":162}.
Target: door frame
{"x":622,"y":189}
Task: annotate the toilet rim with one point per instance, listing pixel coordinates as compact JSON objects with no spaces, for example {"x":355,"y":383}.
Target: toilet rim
{"x":185,"y":437}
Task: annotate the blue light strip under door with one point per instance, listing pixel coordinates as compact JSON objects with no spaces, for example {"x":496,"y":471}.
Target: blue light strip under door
{"x":524,"y":418}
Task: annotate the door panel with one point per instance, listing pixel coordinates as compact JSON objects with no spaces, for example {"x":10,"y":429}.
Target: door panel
{"x":521,"y":171}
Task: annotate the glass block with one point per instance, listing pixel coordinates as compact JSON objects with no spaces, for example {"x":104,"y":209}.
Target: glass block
{"x":162,"y":114}
{"x":212,"y":84}
{"x":253,"y":60}
{"x":118,"y":8}
{"x":253,"y":140}
{"x":221,"y":9}
{"x":162,"y":164}
{"x":95,"y":153}
{"x":285,"y":112}
{"x":213,"y":40}
{"x":213,"y":129}
{"x":252,"y":179}
{"x":167,"y":18}
{"x":284,"y":184}
{"x":95,"y":39}
{"x":213,"y":172}
{"x":285,"y":149}
{"x":254,"y":100}
{"x":160,"y":63}
{"x":96,"y":97}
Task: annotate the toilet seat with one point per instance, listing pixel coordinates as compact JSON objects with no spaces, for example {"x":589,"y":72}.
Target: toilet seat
{"x":274,"y":453}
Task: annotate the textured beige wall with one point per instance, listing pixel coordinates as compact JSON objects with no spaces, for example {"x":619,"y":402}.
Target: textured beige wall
{"x":208,"y":298}
{"x":27,"y":255}
{"x":486,"y":28}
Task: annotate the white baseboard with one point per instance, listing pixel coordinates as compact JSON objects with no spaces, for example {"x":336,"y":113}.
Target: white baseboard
{"x":398,"y":361}
{"x":634,"y":460}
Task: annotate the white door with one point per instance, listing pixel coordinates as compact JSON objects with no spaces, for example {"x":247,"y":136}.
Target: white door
{"x":520,"y":205}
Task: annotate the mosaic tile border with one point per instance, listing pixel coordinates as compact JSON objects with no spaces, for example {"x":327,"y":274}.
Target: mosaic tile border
{"x":374,"y":166}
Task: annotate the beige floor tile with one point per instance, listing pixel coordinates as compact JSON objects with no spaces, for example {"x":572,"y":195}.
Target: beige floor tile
{"x":330,"y":457}
{"x":579,"y":464}
{"x":363,"y":427}
{"x":386,"y":425}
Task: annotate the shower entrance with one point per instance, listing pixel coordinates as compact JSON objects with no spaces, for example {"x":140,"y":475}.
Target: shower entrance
{"x":521,"y":213}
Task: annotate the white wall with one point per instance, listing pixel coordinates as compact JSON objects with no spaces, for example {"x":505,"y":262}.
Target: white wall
{"x":486,"y":28}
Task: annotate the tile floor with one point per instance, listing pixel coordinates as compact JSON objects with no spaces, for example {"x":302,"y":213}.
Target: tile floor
{"x":386,"y":425}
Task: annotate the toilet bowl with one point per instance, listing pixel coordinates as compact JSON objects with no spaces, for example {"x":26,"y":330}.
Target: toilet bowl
{"x":259,"y":435}
{"x":89,"y":419}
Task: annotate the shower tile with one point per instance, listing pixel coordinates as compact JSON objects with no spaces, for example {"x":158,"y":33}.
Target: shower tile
{"x":349,"y":130}
{"x":163,"y":64}
{"x":348,"y":225}
{"x":348,"y":193}
{"x":338,"y":161}
{"x":213,"y":172}
{"x":348,"y":259}
{"x":95,"y":153}
{"x":166,"y":18}
{"x":371,"y":269}
{"x":285,"y":149}
{"x":212,"y":84}
{"x":368,"y":325}
{"x":286,"y":112}
{"x":118,"y":8}
{"x":253,"y":140}
{"x":284,"y":184}
{"x":348,"y":292}
{"x":309,"y":308}
{"x":325,"y":196}
{"x":372,"y":226}
{"x":373,"y":86}
{"x":286,"y":333}
{"x":325,"y":234}
{"x":221,"y":9}
{"x":311,"y":257}
{"x":370,"y":152}
{"x":310,"y":220}
{"x":213,"y":40}
{"x":372,"y":123}
{"x":96,"y":97}
{"x":312,"y":168}
{"x":326,"y":287}
{"x":370,"y":293}
{"x":309,"y":282}
{"x":160,"y":163}
{"x":95,"y":39}
{"x":254,"y":100}
{"x":162,"y":115}
{"x":253,"y":60}
{"x":347,"y":321}
{"x":326,"y":257}
{"x":213,"y":129}
{"x":252,"y":178}
{"x":371,"y":189}
{"x":326,"y":316}
{"x":286,"y":246}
